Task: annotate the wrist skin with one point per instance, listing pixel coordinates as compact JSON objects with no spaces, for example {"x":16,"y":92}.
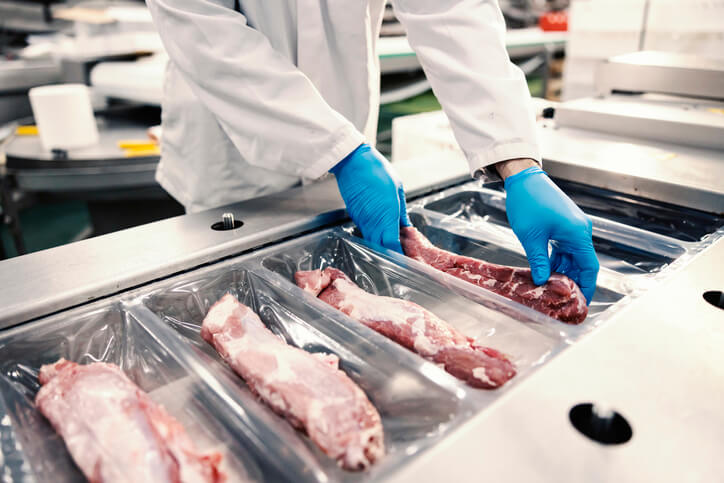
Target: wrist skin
{"x":514,"y":166}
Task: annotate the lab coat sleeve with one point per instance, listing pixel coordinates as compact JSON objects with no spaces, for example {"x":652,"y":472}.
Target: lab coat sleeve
{"x":461,"y":46}
{"x":269,"y":109}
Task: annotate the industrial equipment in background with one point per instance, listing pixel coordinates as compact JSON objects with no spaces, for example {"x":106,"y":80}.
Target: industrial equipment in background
{"x":137,"y":298}
{"x":642,"y":155}
{"x":112,"y":47}
{"x":114,"y":176}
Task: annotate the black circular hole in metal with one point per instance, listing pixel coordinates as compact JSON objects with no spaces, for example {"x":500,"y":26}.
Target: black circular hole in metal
{"x":219,"y":225}
{"x":715,"y":297}
{"x":610,"y":429}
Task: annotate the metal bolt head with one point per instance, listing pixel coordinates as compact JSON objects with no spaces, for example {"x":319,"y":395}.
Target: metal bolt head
{"x":228,"y":220}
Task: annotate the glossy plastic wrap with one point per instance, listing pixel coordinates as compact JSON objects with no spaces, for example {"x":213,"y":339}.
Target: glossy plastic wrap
{"x":419,"y":403}
{"x":678,"y":222}
{"x":621,"y":248}
{"x":152,"y":333}
{"x":683,"y":224}
{"x":33,"y":451}
{"x":632,"y":258}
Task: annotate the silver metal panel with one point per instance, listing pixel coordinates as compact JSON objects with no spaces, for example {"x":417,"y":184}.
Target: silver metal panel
{"x":666,"y":172}
{"x":21,"y":75}
{"x":44,"y":282}
{"x":81,"y":179}
{"x":691,"y":123}
{"x":663,"y":72}
{"x":658,"y":362}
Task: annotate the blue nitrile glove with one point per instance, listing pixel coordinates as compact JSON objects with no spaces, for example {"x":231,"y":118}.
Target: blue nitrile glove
{"x":374,"y":197}
{"x":538,"y":211}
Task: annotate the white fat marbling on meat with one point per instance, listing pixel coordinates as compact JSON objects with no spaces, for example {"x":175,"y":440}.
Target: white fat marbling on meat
{"x":219,"y":313}
{"x":422,"y":344}
{"x":357,"y":303}
{"x":284,"y":371}
{"x":536,"y":292}
{"x":273,"y":398}
{"x":398,"y":312}
{"x":479,"y":373}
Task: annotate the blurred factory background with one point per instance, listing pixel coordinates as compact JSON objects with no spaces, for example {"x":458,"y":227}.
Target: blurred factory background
{"x":53,"y":197}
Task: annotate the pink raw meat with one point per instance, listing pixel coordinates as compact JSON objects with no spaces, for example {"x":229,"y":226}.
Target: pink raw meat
{"x":411,"y":326}
{"x":559,"y":298}
{"x":307,"y":389}
{"x":114,"y":431}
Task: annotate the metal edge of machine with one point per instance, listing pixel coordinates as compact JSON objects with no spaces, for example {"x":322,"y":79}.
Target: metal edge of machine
{"x":51,"y":280}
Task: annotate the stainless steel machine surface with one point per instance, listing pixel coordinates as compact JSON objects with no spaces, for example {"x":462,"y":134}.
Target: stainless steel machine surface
{"x":663,"y":73}
{"x":634,"y":393}
{"x":658,"y":116}
{"x":658,"y":363}
{"x":667,"y":172}
{"x":118,"y":261}
{"x":648,"y":350}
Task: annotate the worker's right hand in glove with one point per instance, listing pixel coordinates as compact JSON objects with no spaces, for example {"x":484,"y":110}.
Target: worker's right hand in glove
{"x":374,"y":197}
{"x":539,"y":212}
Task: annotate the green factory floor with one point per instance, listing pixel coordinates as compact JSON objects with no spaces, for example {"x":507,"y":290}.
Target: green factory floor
{"x":48,"y":225}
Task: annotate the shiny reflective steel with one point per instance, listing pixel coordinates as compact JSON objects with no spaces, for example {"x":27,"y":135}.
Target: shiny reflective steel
{"x":664,"y":73}
{"x":44,"y":282}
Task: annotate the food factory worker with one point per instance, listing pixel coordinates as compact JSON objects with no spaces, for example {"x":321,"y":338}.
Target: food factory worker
{"x":262,"y":93}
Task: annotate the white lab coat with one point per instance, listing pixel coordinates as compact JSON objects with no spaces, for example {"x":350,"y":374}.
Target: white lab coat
{"x":256,"y":100}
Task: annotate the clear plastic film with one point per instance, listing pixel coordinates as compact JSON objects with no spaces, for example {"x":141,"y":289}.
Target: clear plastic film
{"x":110,"y":332}
{"x":621,"y":248}
{"x":152,"y":333}
{"x":469,"y":240}
{"x":417,"y":401}
{"x":684,"y":224}
{"x":470,"y":220}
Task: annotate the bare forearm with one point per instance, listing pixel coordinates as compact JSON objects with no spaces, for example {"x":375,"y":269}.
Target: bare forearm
{"x":514,"y":166}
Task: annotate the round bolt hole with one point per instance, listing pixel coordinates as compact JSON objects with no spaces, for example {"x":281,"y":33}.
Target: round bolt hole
{"x":715,"y":297}
{"x":219,"y":225}
{"x":602,"y":426}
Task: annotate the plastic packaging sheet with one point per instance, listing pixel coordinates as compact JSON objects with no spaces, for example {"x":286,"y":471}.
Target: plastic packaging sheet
{"x":684,"y":224}
{"x":632,"y":259}
{"x":419,"y":403}
{"x":153,"y":334}
{"x":678,"y":222}
{"x":33,"y":451}
{"x":621,"y":248}
{"x":467,"y":240}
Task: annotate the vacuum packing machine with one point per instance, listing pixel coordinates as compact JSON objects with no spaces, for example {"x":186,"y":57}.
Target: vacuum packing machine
{"x":634,"y":393}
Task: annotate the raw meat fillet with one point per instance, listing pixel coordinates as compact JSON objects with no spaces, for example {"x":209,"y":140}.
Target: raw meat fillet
{"x":114,"y":431}
{"x":308,"y":389}
{"x":559,"y":298}
{"x":411,"y":326}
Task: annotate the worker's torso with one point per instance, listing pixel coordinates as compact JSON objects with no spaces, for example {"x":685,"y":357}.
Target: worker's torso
{"x":333,"y":42}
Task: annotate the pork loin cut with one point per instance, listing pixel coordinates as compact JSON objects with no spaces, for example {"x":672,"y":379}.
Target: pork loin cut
{"x":559,"y":298}
{"x":309,"y":390}
{"x":411,"y":326}
{"x":114,"y":431}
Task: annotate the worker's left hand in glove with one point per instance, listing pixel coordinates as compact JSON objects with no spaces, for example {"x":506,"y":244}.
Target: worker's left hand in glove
{"x":539,"y":212}
{"x":374,"y":197}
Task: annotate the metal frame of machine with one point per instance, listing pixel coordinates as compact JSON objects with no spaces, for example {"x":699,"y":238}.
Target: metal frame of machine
{"x":650,"y":352}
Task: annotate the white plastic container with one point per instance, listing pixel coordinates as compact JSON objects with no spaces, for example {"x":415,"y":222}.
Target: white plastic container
{"x":64,"y":116}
